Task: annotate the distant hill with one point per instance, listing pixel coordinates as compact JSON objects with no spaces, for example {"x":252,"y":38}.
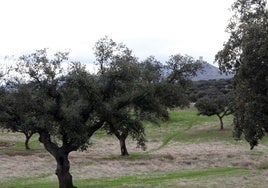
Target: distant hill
{"x":210,"y":72}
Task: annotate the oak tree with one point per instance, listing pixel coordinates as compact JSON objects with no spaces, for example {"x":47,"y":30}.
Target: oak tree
{"x":246,"y":54}
{"x":63,"y":117}
{"x":121,"y":92}
{"x":220,"y":105}
{"x":17,"y":109}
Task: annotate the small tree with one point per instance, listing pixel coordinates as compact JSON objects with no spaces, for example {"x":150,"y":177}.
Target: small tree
{"x":173,"y":88}
{"x":17,"y":110}
{"x":219,"y":105}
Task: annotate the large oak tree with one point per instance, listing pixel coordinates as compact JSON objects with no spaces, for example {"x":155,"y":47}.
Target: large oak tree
{"x":246,"y":54}
{"x":63,"y":117}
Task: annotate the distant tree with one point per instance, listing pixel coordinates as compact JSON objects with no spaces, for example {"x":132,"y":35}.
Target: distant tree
{"x":17,"y":110}
{"x":15,"y":105}
{"x":246,"y":54}
{"x":181,"y":68}
{"x":152,"y":76}
{"x":151,"y":70}
{"x":174,"y":87}
{"x":219,"y":105}
{"x":64,"y":118}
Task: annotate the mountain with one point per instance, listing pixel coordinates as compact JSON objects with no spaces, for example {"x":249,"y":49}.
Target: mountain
{"x":210,"y":72}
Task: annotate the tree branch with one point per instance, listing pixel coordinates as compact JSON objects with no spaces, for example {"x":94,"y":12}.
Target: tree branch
{"x":45,"y":138}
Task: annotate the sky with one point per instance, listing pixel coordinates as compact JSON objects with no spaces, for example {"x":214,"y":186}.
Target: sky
{"x":148,"y":27}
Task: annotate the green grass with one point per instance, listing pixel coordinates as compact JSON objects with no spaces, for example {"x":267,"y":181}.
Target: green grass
{"x":147,"y":180}
{"x":187,"y":126}
{"x":28,"y":182}
{"x":205,"y":135}
{"x":18,"y":147}
{"x":152,"y":180}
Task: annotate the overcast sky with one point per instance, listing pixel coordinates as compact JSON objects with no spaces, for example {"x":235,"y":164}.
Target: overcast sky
{"x":148,"y":27}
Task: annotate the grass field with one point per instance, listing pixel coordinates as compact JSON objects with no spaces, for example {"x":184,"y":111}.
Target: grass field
{"x":187,"y":151}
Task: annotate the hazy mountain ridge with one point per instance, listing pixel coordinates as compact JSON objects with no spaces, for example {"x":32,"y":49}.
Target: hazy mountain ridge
{"x":210,"y":72}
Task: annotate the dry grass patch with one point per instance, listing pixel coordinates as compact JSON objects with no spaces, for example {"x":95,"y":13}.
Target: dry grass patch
{"x":100,"y":161}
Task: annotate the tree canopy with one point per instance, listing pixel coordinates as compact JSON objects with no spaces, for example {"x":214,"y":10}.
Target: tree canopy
{"x":246,"y":54}
{"x":218,"y":104}
{"x":134,"y":91}
{"x":18,"y":107}
{"x":48,"y":101}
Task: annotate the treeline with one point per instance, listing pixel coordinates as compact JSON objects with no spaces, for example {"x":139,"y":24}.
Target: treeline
{"x":203,"y":88}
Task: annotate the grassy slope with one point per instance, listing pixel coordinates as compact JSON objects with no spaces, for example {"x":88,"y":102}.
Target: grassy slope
{"x":187,"y":126}
{"x":184,"y":126}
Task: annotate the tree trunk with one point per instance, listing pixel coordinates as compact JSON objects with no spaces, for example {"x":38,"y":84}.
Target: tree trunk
{"x":62,"y":171}
{"x":27,"y":143}
{"x":123,"y":147}
{"x":27,"y":139}
{"x":221,"y":122}
{"x":61,"y":156}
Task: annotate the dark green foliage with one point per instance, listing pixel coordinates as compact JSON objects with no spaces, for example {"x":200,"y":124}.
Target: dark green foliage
{"x":180,"y":68}
{"x":122,"y":92}
{"x":246,"y":53}
{"x":48,"y":101}
{"x":60,"y":102}
{"x":210,"y":106}
{"x":217,"y":104}
{"x":134,"y":91}
{"x":172,"y":90}
{"x":151,"y":70}
{"x":17,"y":110}
{"x":202,"y":88}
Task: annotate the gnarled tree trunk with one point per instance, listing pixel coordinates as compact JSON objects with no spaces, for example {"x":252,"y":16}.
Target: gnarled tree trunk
{"x":63,"y":170}
{"x":221,"y":121}
{"x":122,"y":140}
{"x":61,"y":156}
